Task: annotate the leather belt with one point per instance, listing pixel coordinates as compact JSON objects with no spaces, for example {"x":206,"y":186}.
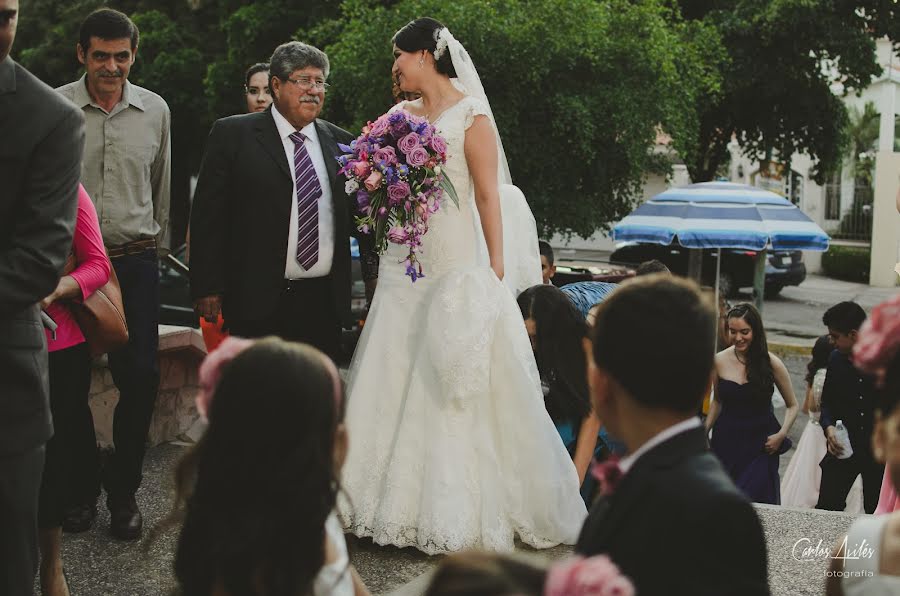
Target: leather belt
{"x":131,"y":248}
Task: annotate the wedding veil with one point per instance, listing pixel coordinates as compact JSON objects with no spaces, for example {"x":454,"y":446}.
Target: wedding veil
{"x":521,"y":257}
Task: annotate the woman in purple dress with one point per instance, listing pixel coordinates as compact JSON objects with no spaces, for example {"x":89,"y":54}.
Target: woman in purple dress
{"x":746,"y":436}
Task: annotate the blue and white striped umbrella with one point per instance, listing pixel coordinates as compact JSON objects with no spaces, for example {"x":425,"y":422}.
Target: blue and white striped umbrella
{"x":722,"y":215}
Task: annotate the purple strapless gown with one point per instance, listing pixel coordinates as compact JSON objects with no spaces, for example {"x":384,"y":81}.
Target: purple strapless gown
{"x":739,"y":437}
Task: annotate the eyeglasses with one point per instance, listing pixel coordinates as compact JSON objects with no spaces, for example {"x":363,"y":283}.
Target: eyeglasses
{"x":307,"y":83}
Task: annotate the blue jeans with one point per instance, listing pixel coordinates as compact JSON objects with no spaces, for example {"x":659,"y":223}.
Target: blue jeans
{"x":135,"y":371}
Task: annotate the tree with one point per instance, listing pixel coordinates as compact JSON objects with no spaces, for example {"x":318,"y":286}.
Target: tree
{"x":783,"y":56}
{"x":578,"y":89}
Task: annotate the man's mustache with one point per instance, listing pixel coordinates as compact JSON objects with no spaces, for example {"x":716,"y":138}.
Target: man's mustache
{"x":111,"y":75}
{"x":310,"y":99}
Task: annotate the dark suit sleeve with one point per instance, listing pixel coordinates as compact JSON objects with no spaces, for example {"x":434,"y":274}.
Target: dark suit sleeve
{"x":209,"y":216}
{"x":829,"y":393}
{"x":729,"y":549}
{"x":368,"y":258}
{"x":41,"y":238}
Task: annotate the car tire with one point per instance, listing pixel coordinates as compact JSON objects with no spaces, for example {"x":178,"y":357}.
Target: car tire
{"x":773,"y":291}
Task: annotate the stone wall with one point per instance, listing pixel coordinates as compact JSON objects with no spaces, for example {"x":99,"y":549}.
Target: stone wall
{"x":175,"y":417}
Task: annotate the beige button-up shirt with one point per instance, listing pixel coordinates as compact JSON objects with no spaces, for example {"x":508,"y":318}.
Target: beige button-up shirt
{"x":127,"y":163}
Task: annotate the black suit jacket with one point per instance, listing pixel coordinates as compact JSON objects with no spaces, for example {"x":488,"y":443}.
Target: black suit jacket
{"x":676,"y":524}
{"x":241,"y":211}
{"x":41,"y":145}
{"x":850,"y":397}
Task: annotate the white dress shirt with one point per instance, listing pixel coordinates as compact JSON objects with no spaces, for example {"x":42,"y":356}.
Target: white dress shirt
{"x":676,"y":429}
{"x":293,"y":269}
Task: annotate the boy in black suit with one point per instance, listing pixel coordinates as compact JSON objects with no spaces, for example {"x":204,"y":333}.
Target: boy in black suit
{"x":673,"y":521}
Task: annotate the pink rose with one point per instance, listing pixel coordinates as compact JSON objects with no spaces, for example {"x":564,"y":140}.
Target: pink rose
{"x":379,"y":127}
{"x":417,"y":157}
{"x":373,"y":182}
{"x":398,"y":192}
{"x":361,"y":169}
{"x":409,"y":143}
{"x":387,"y":155}
{"x":397,"y":235}
{"x":438,"y":144}
{"x":879,"y":340}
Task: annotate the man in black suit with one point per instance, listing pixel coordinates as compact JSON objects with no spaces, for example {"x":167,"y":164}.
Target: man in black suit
{"x":673,"y":522}
{"x":271,"y":221}
{"x":848,"y":396}
{"x":40,"y":162}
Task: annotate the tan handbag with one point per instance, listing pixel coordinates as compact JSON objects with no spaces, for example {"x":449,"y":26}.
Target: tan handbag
{"x":101,"y":316}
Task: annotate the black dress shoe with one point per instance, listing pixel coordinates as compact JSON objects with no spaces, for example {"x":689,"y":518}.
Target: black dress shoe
{"x":80,"y":518}
{"x":126,"y":522}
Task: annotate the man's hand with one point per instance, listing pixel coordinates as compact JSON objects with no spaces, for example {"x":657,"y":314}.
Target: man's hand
{"x":834,"y":448}
{"x":370,"y":290}
{"x":209,"y":307}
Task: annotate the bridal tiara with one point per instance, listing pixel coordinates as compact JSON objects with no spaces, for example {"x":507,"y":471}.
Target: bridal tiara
{"x":441,"y":40}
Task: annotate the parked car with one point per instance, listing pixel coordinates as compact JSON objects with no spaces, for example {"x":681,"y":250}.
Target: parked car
{"x":783,"y":267}
{"x":176,"y":307}
{"x":567,"y":274}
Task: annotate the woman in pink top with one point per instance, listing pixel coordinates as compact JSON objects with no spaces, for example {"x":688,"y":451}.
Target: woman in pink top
{"x":70,"y":382}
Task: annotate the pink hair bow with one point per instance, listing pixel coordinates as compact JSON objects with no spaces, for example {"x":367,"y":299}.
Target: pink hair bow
{"x":211,"y":370}
{"x":593,"y":576}
{"x":879,"y":340}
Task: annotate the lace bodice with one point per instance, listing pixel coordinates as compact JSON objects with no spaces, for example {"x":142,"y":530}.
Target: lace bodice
{"x":451,"y":240}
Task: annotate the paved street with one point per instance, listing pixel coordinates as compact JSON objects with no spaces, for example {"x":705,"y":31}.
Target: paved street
{"x":98,"y":565}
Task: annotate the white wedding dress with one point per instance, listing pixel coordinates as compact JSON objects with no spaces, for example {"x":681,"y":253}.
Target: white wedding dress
{"x":451,"y":446}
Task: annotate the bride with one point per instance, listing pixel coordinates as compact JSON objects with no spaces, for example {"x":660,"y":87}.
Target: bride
{"x":451,"y":445}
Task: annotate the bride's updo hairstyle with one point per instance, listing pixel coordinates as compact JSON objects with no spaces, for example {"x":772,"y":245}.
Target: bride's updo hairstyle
{"x":421,"y":34}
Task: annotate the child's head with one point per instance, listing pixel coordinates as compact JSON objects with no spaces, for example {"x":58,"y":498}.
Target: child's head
{"x":820,"y":353}
{"x":843,"y":321}
{"x":548,"y":268}
{"x":259,"y":485}
{"x":877,"y":352}
{"x":487,"y":574}
{"x":650,"y":267}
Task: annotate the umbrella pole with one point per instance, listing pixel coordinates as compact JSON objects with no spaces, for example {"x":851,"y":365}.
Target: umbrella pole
{"x":718,"y":302}
{"x":759,"y":279}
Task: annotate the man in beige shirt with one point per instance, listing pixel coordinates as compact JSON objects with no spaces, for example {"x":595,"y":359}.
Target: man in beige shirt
{"x":126,"y":171}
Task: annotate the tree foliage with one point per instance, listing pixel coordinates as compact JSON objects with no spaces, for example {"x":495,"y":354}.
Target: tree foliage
{"x":578,"y":88}
{"x":783,"y":57}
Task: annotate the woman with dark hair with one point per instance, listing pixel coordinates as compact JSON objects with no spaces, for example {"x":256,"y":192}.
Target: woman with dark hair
{"x":557,"y":330}
{"x":256,"y":88}
{"x":800,"y":485}
{"x":462,"y":453}
{"x":746,"y":435}
{"x":257,"y":493}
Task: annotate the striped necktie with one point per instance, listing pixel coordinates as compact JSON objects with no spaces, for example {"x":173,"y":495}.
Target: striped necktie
{"x":308,"y":193}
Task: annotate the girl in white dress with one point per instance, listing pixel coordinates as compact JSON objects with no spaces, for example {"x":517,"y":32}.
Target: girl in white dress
{"x":452,"y":446}
{"x":800,"y":484}
{"x":256,"y":495}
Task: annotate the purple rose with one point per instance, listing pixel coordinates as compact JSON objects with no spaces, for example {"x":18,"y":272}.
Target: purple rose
{"x":387,"y":155}
{"x":408,"y":143}
{"x":379,"y":127}
{"x":417,"y":157}
{"x":438,"y":144}
{"x":397,"y":235}
{"x":398,"y":192}
{"x":362,"y":199}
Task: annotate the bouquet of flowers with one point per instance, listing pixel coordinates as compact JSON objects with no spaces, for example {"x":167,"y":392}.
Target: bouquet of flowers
{"x":394,"y":169}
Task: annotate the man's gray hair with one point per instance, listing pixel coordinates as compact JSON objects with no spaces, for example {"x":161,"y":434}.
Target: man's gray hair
{"x":296,"y":55}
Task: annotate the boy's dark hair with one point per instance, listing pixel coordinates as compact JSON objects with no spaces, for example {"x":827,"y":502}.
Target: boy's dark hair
{"x":844,"y":317}
{"x":651,"y":266}
{"x":486,"y":574}
{"x":107,"y":24}
{"x":546,"y":251}
{"x":258,"y":67}
{"x":638,"y":311}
